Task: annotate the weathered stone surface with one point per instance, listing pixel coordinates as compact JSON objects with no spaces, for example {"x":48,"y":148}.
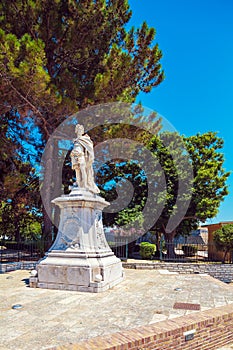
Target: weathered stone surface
{"x":33,"y":282}
{"x":34,"y":273}
{"x":223,"y":272}
{"x":50,"y":317}
{"x":80,"y":251}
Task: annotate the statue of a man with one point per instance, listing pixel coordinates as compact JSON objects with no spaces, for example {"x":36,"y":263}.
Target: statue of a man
{"x":82,"y":157}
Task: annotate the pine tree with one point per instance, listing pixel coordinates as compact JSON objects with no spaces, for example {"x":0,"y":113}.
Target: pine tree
{"x":60,"y":56}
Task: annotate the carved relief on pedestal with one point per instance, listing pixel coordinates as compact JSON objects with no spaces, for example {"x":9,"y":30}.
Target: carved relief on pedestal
{"x":101,"y":241}
{"x":69,"y":235}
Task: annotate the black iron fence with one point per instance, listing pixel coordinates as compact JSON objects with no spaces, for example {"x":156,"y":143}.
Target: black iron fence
{"x":123,"y":247}
{"x":11,"y":251}
{"x":120,"y":247}
{"x":193,"y":253}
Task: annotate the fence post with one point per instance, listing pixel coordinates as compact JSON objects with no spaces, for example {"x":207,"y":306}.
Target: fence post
{"x":126,"y":248}
{"x":1,"y":244}
{"x":18,"y":250}
{"x":161,"y":249}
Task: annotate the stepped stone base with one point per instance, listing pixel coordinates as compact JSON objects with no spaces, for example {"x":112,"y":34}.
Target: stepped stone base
{"x":80,"y":274}
{"x":80,"y":258}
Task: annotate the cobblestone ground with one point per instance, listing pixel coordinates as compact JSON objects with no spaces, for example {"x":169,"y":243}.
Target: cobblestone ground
{"x":51,"y":317}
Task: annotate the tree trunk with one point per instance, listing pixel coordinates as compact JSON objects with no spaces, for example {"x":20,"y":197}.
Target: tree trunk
{"x":52,"y":185}
{"x":57,"y":185}
{"x":17,"y":228}
{"x":170,"y":246}
{"x":47,"y":227}
{"x":46,"y":193}
{"x":224,"y":258}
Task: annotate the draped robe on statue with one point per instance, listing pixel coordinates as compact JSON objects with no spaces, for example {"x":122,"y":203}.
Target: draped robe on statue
{"x":82,"y":157}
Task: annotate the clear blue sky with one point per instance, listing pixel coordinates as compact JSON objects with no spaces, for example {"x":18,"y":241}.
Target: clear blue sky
{"x":196,"y":38}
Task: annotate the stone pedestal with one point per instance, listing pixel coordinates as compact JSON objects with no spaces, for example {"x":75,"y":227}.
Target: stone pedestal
{"x":80,"y":258}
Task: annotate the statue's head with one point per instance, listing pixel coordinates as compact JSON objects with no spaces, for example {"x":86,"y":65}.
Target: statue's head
{"x":79,"y":129}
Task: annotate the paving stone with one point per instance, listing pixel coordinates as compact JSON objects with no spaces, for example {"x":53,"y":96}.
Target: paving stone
{"x":50,"y":318}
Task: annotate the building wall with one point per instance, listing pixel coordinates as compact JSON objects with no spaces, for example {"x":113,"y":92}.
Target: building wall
{"x":213,"y":253}
{"x":198,"y":237}
{"x":203,"y":232}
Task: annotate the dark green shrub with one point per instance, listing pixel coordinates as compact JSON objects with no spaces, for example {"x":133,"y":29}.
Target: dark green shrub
{"x":189,"y":250}
{"x":147,"y":250}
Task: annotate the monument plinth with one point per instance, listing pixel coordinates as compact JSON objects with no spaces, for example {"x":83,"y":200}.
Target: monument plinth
{"x":80,"y":258}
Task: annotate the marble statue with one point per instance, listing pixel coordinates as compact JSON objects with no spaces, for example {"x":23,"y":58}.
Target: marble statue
{"x":80,"y":258}
{"x":82,"y":157}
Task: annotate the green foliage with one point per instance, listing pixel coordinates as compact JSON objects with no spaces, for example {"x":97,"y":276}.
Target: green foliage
{"x":210,"y":177}
{"x":209,"y":186}
{"x":20,"y":203}
{"x":20,"y":216}
{"x":79,"y":53}
{"x":24,"y":78}
{"x":114,"y":180}
{"x":147,"y":250}
{"x":57,"y":57}
{"x":169,"y":149}
{"x":223,"y":238}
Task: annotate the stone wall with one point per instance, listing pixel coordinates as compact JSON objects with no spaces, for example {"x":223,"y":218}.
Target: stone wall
{"x":210,"y":329}
{"x":223,"y":272}
{"x":21,"y":265}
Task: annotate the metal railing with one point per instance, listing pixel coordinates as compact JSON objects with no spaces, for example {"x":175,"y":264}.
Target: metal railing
{"x":193,"y":253}
{"x":120,"y":247}
{"x":34,"y":250}
{"x":12,"y":251}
